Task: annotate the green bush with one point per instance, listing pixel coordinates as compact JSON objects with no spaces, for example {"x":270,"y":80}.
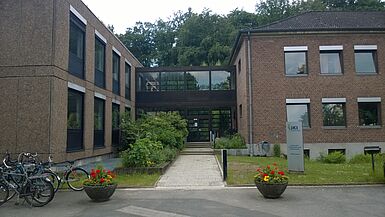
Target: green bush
{"x":362,"y":158}
{"x":235,"y":141}
{"x":143,"y":153}
{"x":277,"y":150}
{"x":130,"y":131}
{"x":333,"y":158}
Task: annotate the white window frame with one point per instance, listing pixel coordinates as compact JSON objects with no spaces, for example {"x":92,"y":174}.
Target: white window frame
{"x":78,"y":15}
{"x":333,"y":100}
{"x":369,"y":99}
{"x":298,"y":101}
{"x":76,"y":87}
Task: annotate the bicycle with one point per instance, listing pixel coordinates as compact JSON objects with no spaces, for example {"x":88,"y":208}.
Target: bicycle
{"x":73,"y":176}
{"x":36,"y":190}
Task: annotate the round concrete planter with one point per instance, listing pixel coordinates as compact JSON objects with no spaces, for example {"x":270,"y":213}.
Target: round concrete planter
{"x":271,"y":190}
{"x":100,"y":193}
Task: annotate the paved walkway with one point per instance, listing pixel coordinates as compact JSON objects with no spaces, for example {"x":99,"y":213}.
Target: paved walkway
{"x":192,"y":171}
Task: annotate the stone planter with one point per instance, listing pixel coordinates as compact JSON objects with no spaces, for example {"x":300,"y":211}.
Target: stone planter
{"x":271,"y":190}
{"x":100,"y":193}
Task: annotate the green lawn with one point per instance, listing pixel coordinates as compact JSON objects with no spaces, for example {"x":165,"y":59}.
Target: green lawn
{"x":137,"y":180}
{"x":242,"y":169}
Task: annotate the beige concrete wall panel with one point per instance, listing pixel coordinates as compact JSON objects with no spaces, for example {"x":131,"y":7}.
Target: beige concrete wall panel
{"x":88,"y":122}
{"x":61,"y":33}
{"x":108,"y":126}
{"x":8,"y":114}
{"x":10,"y":20}
{"x":109,"y":67}
{"x":271,"y":87}
{"x":33,"y":115}
{"x":90,"y":54}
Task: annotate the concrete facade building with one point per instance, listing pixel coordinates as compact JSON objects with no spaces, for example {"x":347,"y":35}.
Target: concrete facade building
{"x":62,"y":73}
{"x":323,"y":68}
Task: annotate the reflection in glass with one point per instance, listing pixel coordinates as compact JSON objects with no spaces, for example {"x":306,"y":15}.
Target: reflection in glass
{"x":295,"y":63}
{"x":172,"y":81}
{"x":115,"y":124}
{"x":115,"y":73}
{"x":75,"y":110}
{"x":198,"y":80}
{"x":220,"y":80}
{"x":76,"y":41}
{"x":127,"y":81}
{"x":330,"y":63}
{"x":99,"y":114}
{"x":99,"y":63}
{"x":298,"y":112}
{"x":365,"y":61}
{"x":369,"y":113}
{"x":334,"y":114}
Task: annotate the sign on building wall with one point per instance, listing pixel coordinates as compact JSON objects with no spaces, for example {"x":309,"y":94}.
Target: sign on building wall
{"x":294,"y":141}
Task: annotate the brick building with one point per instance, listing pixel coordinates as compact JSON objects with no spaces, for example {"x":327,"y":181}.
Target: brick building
{"x":64,"y":78}
{"x":325,"y":69}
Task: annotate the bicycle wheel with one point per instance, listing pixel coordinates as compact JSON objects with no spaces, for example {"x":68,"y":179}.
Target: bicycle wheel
{"x":75,"y":178}
{"x":39,"y":192}
{"x":53,"y":178}
{"x":3,"y":193}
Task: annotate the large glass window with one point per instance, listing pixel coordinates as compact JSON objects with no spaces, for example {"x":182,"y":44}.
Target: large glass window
{"x":172,"y":81}
{"x":198,"y":80}
{"x":369,"y":113}
{"x":148,"y":82}
{"x":334,"y":114}
{"x":115,"y":73}
{"x":127,"y":81}
{"x":298,"y":112}
{"x":115,"y":124}
{"x":295,"y":63}
{"x":99,"y":114}
{"x":365,"y":61}
{"x":220,"y":80}
{"x":75,"y":120}
{"x":330,"y":62}
{"x":100,"y":59}
{"x":76,"y":47}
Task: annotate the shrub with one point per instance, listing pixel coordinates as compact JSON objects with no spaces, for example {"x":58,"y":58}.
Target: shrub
{"x":277,"y":150}
{"x":334,"y":158}
{"x":143,"y":153}
{"x":235,"y":141}
{"x":362,"y":158}
{"x":130,"y":131}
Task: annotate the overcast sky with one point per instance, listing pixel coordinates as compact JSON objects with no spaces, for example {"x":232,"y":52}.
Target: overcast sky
{"x":125,"y":13}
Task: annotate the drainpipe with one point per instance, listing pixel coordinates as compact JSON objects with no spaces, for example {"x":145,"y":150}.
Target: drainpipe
{"x":250,"y":102}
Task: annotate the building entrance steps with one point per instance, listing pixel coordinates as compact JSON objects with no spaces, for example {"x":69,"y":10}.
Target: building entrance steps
{"x":192,"y":171}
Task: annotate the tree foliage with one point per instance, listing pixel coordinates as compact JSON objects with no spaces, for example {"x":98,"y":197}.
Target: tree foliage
{"x":205,"y":38}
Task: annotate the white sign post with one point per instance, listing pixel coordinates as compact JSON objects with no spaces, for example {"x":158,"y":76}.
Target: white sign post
{"x":294,"y":141}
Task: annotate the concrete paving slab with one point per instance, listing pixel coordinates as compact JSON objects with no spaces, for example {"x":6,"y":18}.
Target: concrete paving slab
{"x":192,"y":171}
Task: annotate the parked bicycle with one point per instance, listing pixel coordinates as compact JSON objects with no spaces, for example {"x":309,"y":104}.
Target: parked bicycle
{"x":35,"y":190}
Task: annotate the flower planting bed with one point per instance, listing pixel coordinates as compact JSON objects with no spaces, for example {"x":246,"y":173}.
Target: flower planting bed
{"x":161,"y":169}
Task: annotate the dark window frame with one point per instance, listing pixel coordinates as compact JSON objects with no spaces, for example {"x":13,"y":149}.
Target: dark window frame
{"x":306,"y":62}
{"x":379,"y":122}
{"x":102,"y":83}
{"x":340,"y":55}
{"x":116,"y":83}
{"x":100,"y":134}
{"x":115,"y":132}
{"x":375,"y":60}
{"x":127,"y":74}
{"x":76,"y":66}
{"x":72,"y":133}
{"x":308,"y":111}
{"x":344,"y":115}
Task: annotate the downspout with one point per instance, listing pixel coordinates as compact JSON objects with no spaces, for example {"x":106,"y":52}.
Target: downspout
{"x":250,"y":102}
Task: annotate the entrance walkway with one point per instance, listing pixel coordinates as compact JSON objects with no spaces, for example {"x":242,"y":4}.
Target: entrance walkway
{"x":192,"y":171}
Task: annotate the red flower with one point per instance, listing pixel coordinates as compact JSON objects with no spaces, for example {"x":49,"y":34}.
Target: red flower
{"x":93,"y":174}
{"x":268,"y":166}
{"x":265,"y":175}
{"x":101,"y":180}
{"x":272,"y":172}
{"x":92,"y":171}
{"x":97,"y":171}
{"x":281,"y":173}
{"x":259,"y":169}
{"x":104,"y":171}
{"x":275,"y":164}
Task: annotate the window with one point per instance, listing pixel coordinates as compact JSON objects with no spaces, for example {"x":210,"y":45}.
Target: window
{"x":240,"y":111}
{"x":199,"y":80}
{"x":330,"y":59}
{"x":100,"y":59}
{"x":239,"y":66}
{"x":75,"y":120}
{"x":369,"y":113}
{"x":115,"y":73}
{"x":128,"y":111}
{"x":365,"y":59}
{"x":76,"y":46}
{"x":148,"y":81}
{"x":334,"y":114}
{"x":296,"y":60}
{"x":220,"y":80}
{"x":127,"y":81}
{"x":99,"y":114}
{"x":115,"y":124}
{"x":298,"y":112}
{"x":172,"y":81}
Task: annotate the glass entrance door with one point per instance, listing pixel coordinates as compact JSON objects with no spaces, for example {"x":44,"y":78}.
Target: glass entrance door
{"x":198,"y":124}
